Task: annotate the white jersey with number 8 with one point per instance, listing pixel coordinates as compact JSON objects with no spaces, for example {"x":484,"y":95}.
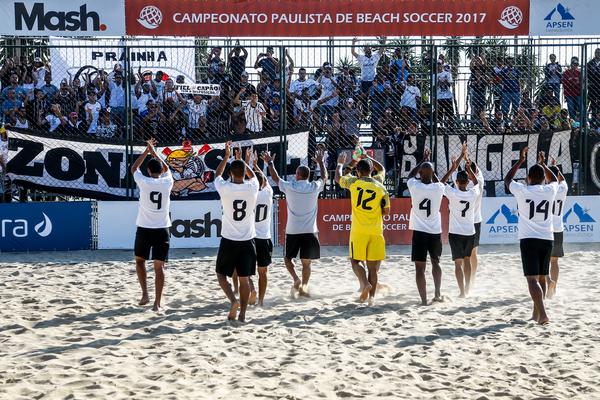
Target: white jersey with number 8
{"x":426,"y":200}
{"x":155,"y":200}
{"x":238,"y":201}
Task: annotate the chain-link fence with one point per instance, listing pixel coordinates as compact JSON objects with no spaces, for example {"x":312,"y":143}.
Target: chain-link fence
{"x":393,"y":98}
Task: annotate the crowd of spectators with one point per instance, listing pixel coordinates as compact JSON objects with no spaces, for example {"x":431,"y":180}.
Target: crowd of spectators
{"x":385,"y":95}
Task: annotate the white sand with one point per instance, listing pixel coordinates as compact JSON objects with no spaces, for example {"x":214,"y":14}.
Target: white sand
{"x":70,"y":329}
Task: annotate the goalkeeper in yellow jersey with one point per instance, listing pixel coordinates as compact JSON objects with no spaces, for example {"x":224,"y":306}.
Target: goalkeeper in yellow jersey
{"x":370,"y":202}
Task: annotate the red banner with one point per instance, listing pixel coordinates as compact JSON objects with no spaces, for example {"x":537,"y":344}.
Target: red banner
{"x":334,"y":220}
{"x":285,"y":18}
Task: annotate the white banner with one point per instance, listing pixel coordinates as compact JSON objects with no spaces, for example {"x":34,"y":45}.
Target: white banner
{"x":204,"y":89}
{"x":105,"y":53}
{"x":500,"y":219}
{"x":62,"y":17}
{"x":195,"y":224}
{"x":563,"y":17}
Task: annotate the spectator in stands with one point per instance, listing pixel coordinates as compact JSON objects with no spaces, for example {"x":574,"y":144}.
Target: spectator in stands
{"x":384,"y":128}
{"x":511,"y":87}
{"x":268,"y":63}
{"x":237,"y":61}
{"x":497,"y":84}
{"x":304,"y":107}
{"x":484,"y":124}
{"x":214,"y":59}
{"x":37,"y":110}
{"x":39,"y":72}
{"x":106,"y":128}
{"x":20,"y":92}
{"x":328,"y":100}
{"x":117,"y":70}
{"x":170,"y":94}
{"x":572,"y":87}
{"x":298,"y":85}
{"x":368,"y":68}
{"x":564,"y":121}
{"x":593,"y":82}
{"x":6,"y":195}
{"x":66,"y":98}
{"x":158,"y":85}
{"x":144,"y":92}
{"x":152,"y":121}
{"x":350,"y":118}
{"x":48,"y":88}
{"x":553,"y":75}
{"x":498,"y":124}
{"x":11,"y":105}
{"x":399,"y":66}
{"x":254,"y":112}
{"x":411,"y":97}
{"x":595,"y":124}
{"x":544,"y":124}
{"x":346,"y":83}
{"x":20,"y":120}
{"x":116,"y":102}
{"x":521,"y":122}
{"x":74,"y":125}
{"x":478,"y":84}
{"x":263,"y":88}
{"x":55,"y":120}
{"x":274,"y":112}
{"x":92,"y":111}
{"x":196,"y":111}
{"x":247,"y":86}
{"x":379,"y":94}
{"x":28,"y":86}
{"x":79,"y":89}
{"x":445,"y":98}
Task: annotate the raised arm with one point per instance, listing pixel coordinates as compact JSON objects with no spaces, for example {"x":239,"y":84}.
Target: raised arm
{"x":353,"y":50}
{"x":470,"y":172}
{"x":453,"y":167}
{"x":223,"y":163}
{"x":382,"y":49}
{"x":560,"y":175}
{"x":377,"y":166}
{"x":268,"y":158}
{"x":339,"y":169}
{"x":415,"y":170}
{"x":511,"y":174}
{"x":550,"y":177}
{"x":318,"y":158}
{"x":138,"y":162}
{"x":152,"y":149}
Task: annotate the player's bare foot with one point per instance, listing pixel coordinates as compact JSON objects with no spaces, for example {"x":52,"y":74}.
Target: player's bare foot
{"x":364,"y":295}
{"x":242,"y":317}
{"x":297,"y":284}
{"x":438,"y":299}
{"x":252,"y":298}
{"x":155,"y":307}
{"x":462,"y":295}
{"x":233,"y":310}
{"x":145,"y":300}
{"x":544,"y":321}
{"x":551,"y":289}
{"x":303,"y":291}
{"x":424,"y":303}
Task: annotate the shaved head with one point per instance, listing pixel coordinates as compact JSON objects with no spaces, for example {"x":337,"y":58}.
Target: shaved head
{"x":302,"y":173}
{"x":426,"y":171}
{"x":536,"y":175}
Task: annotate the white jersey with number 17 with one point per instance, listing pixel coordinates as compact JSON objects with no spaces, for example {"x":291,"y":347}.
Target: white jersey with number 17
{"x":426,"y":199}
{"x":558,"y":207}
{"x":155,"y":200}
{"x":238,"y":201}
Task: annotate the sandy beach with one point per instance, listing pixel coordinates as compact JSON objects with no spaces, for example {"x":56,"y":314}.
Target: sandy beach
{"x":70,"y":328}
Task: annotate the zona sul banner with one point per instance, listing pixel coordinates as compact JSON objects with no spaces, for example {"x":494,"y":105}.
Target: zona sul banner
{"x":231,"y":18}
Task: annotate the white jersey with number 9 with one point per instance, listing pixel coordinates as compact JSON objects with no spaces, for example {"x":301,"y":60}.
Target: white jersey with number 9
{"x":155,"y":200}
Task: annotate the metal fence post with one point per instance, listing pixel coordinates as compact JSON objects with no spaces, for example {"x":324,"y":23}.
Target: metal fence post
{"x":584,"y":128}
{"x":283,"y":113}
{"x":128,"y":118}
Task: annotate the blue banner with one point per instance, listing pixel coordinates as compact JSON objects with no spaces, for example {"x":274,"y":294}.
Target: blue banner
{"x":46,"y":226}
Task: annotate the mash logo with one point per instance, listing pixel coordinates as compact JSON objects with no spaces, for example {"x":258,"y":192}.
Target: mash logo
{"x":150,"y":17}
{"x":511,"y":17}
{"x":559,"y":19}
{"x":37,"y":16}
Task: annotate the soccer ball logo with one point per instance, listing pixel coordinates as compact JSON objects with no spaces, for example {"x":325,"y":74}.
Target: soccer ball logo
{"x":511,"y":17}
{"x":150,"y":17}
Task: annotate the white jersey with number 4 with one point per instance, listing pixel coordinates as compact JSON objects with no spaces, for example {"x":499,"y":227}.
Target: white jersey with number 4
{"x":155,"y":200}
{"x":426,"y":200}
{"x":535,"y":209}
{"x":558,"y":207}
{"x":462,"y":209}
{"x":264,"y":214}
{"x":238,"y":201}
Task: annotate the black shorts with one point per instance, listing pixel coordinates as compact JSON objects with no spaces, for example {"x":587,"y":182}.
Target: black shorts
{"x":423,"y":243}
{"x":264,"y":250}
{"x":307,"y":244}
{"x":461,"y":245}
{"x":155,"y":239}
{"x":365,"y":86}
{"x":535,"y":256}
{"x":557,"y":246}
{"x":477,"y":234}
{"x":236,"y":256}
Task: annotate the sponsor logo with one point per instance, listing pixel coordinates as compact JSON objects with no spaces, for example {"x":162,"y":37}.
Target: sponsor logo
{"x":504,"y":220}
{"x":560,"y":19}
{"x":511,"y":17}
{"x":195,"y":228}
{"x":578,"y":220}
{"x":19,"y":228}
{"x":150,"y":17}
{"x":71,"y":21}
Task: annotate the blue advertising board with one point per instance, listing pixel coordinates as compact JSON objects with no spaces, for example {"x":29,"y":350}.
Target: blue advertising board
{"x":46,"y":226}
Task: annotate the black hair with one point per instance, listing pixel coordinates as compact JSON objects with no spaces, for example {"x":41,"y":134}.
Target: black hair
{"x":555,"y":170}
{"x":303,"y":171}
{"x":154,"y":166}
{"x":536,"y":173}
{"x":237,"y":168}
{"x":462,"y":176}
{"x":364,"y":167}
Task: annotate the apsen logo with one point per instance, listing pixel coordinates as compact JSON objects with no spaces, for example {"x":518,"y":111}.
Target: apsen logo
{"x":511,"y":17}
{"x":504,"y":220}
{"x":560,"y":19}
{"x":44,"y":228}
{"x":584,"y":221}
{"x":56,"y":20}
{"x":150,"y":17}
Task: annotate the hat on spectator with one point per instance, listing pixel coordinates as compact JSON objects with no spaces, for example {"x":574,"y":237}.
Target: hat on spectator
{"x":245,"y":73}
{"x":269,"y":48}
{"x":575,"y":60}
{"x":37,"y":60}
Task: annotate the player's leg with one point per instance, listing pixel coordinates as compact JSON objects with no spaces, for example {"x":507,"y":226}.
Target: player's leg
{"x":435,"y":252}
{"x":142,"y":253}
{"x":160,"y":255}
{"x":244,"y":297}
{"x":245,"y":267}
{"x":253,"y":294}
{"x":159,"y":283}
{"x":235,"y":281}
{"x":292,"y":247}
{"x":537,"y":295}
{"x":140,"y":269}
{"x":373,"y":267}
{"x":291,"y":267}
{"x":357,"y":249}
{"x":474,"y":257}
{"x":264,"y":252}
{"x":421,"y":281}
{"x":262,"y":284}
{"x":460,"y":277}
{"x":226,"y":287}
{"x":419,"y":257}
{"x":361,"y":274}
{"x":554,"y":271}
{"x":375,"y":255}
{"x":468,"y":273}
{"x":310,"y":249}
{"x":225,"y":267}
{"x":306,"y":271}
{"x":543,"y":284}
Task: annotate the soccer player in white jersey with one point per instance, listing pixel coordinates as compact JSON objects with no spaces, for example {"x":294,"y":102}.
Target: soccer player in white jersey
{"x":237,"y":250}
{"x":301,"y":232}
{"x":153,"y":221}
{"x":461,"y":203}
{"x":426,"y":194}
{"x":262,"y":220}
{"x":534,"y":202}
{"x":558,"y":226}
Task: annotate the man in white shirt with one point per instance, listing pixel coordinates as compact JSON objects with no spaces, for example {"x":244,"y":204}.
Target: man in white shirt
{"x":301,"y":232}
{"x":368,"y":69}
{"x":445,"y":99}
{"x":426,"y":223}
{"x":302,"y":83}
{"x":411,"y":97}
{"x":534,"y":202}
{"x":153,"y":221}
{"x":461,"y":203}
{"x":254,"y":111}
{"x":237,"y":250}
{"x":558,"y":228}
